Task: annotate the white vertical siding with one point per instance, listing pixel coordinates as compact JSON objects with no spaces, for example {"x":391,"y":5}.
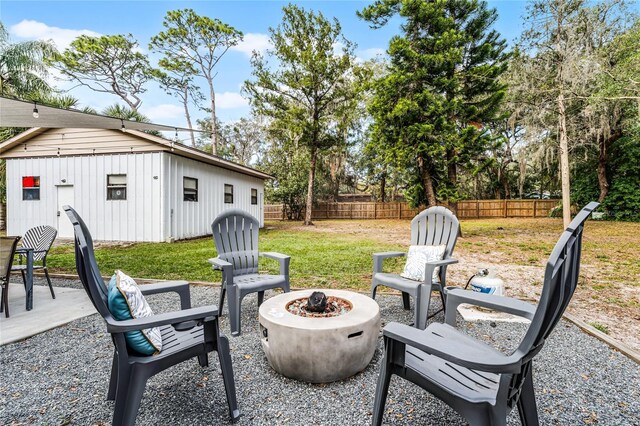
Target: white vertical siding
{"x":138,"y":218}
{"x":192,"y":219}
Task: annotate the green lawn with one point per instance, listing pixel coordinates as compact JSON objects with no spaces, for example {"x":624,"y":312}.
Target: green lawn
{"x":337,"y":260}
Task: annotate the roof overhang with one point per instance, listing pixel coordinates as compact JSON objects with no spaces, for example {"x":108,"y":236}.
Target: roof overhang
{"x":163,"y":145}
{"x":18,"y":113}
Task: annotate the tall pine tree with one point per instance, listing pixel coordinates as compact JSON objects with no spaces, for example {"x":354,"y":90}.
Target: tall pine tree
{"x":442,"y":84}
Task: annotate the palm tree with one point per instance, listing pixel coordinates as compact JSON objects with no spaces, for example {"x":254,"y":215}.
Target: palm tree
{"x":23,"y":69}
{"x":125,"y":113}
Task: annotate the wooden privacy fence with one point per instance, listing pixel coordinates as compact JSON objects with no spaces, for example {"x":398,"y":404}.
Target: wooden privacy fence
{"x":474,"y":209}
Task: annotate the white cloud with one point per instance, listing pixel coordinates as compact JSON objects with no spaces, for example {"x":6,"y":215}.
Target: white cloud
{"x":253,"y":41}
{"x":34,"y":30}
{"x":230,"y":100}
{"x":161,"y":112}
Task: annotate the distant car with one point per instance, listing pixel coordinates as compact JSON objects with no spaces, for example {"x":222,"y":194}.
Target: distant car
{"x":536,"y":195}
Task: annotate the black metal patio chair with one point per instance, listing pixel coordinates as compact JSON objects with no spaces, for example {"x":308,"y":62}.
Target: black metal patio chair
{"x":40,"y":239}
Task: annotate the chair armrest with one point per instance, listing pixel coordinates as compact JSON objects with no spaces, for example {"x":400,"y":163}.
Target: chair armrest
{"x":219,"y":264}
{"x":180,"y":287}
{"x":378,"y":258}
{"x":457,"y":296}
{"x":430,"y":266}
{"x":200,"y":313}
{"x":283,"y":259}
{"x":460,"y":352}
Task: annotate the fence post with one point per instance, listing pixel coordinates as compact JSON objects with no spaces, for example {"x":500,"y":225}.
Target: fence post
{"x":477,"y":209}
{"x":350,"y":210}
{"x":375,"y":210}
{"x":505,"y":207}
{"x":399,"y":210}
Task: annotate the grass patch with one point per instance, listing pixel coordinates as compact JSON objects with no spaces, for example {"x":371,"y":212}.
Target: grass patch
{"x":318,"y":259}
{"x":600,"y":327}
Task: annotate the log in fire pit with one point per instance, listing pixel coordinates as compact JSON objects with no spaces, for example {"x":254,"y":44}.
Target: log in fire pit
{"x":320,"y":336}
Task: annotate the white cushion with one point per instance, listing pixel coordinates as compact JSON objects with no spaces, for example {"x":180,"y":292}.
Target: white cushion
{"x":417,"y":257}
{"x":127,"y":302}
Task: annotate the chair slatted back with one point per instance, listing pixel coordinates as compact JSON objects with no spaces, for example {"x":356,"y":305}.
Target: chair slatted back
{"x":235,"y":234}
{"x":560,"y":281}
{"x":7,"y":252}
{"x":435,"y":226}
{"x":86,"y":264}
{"x":40,"y":239}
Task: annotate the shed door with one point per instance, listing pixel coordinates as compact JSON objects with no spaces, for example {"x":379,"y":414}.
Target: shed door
{"x":65,"y":197}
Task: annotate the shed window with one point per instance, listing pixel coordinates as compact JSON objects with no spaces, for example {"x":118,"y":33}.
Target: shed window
{"x":190,"y":189}
{"x":254,"y":196}
{"x":31,"y":187}
{"x":116,"y":187}
{"x":228,"y":193}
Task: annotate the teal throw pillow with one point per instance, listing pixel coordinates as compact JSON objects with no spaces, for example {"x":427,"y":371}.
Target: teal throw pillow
{"x":126,"y":302}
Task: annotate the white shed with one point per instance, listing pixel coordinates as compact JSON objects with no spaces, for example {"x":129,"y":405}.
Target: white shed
{"x":128,"y":186}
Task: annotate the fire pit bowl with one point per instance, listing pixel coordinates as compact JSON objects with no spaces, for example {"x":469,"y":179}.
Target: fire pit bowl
{"x":319,"y":350}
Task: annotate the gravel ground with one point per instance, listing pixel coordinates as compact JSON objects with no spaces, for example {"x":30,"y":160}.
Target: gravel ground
{"x":61,"y":377}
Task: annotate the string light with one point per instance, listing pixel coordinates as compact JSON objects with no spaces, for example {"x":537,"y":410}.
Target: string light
{"x":35,"y":110}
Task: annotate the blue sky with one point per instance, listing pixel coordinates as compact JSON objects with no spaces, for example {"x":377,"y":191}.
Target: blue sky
{"x":62,"y":21}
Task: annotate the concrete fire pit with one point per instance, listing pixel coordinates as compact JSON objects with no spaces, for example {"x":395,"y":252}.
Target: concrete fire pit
{"x":319,"y":350}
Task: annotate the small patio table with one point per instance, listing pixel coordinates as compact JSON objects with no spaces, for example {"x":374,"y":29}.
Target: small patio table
{"x":28,"y":253}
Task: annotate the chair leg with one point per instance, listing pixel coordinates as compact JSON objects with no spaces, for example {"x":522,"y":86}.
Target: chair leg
{"x":406,"y":302}
{"x":137,"y":385}
{"x":235,"y":303}
{"x":113,"y":382}
{"x":46,"y":274}
{"x":260,"y":298}
{"x":382,"y":388}
{"x":527,"y":407}
{"x":122,"y":392}
{"x":5,"y":300}
{"x":203,"y":360}
{"x":374,"y":287}
{"x":24,"y":278}
{"x":227,"y":377}
{"x":444,"y":300}
{"x":223,"y":290}
{"x":423,"y":300}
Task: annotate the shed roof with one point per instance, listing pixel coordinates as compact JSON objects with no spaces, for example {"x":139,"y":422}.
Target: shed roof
{"x":161,"y":143}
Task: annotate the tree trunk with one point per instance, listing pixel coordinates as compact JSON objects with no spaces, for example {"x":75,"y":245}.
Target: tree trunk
{"x":564,"y":162}
{"x":312,"y":176}
{"x":428,"y":187}
{"x":214,"y":130}
{"x":427,"y":182}
{"x":452,"y":174}
{"x":505,"y":184}
{"x":603,"y":159}
{"x":187,"y":115}
{"x":383,"y":189}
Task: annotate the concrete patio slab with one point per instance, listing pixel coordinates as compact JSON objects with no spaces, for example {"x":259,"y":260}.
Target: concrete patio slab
{"x":47,"y":313}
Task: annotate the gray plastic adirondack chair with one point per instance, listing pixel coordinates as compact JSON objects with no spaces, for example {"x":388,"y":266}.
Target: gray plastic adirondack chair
{"x":235,"y":234}
{"x":40,"y":239}
{"x":433,"y":226}
{"x":479,"y":382}
{"x":186,"y":334}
